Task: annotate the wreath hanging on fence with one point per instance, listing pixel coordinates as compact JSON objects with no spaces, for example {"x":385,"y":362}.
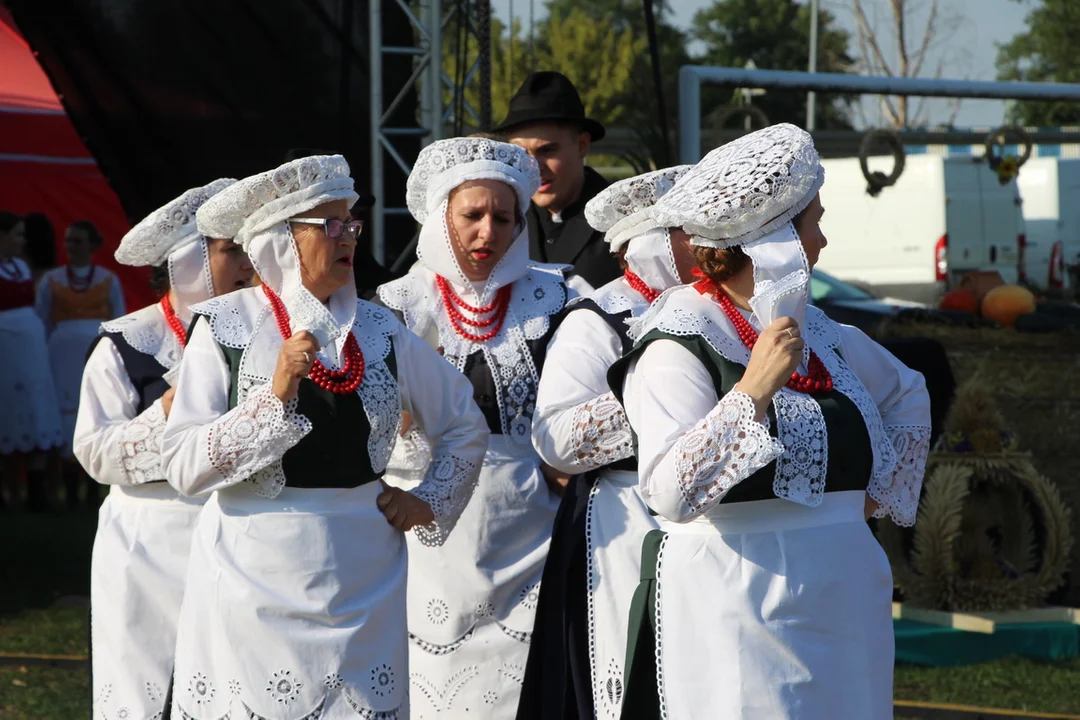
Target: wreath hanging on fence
{"x":992,"y":533}
{"x":877,"y":181}
{"x":725,"y":113}
{"x":1007,"y":166}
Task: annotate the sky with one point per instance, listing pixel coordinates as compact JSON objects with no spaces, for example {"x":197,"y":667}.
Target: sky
{"x":968,"y":54}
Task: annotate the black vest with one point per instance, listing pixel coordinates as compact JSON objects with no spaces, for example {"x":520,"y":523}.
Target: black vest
{"x":851,"y":459}
{"x":144,"y":371}
{"x":485,"y":393}
{"x":334,"y":454}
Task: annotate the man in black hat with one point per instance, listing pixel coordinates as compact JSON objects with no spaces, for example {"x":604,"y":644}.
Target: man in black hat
{"x":547,"y":118}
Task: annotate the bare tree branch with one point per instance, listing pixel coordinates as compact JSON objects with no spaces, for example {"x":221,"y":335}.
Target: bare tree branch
{"x":867,"y":34}
{"x":928,"y":37}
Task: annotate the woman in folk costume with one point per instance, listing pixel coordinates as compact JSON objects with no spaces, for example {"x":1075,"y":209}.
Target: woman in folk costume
{"x":72,"y":301}
{"x":30,"y":423}
{"x":126,"y":398}
{"x":287,"y":408}
{"x":766,"y":435}
{"x":578,"y":646}
{"x":475,"y":296}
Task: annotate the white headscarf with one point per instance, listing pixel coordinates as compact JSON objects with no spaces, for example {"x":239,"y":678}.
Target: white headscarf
{"x":446,"y":165}
{"x":621,"y":212}
{"x":746,"y":193}
{"x":169,"y":235}
{"x":254,"y":211}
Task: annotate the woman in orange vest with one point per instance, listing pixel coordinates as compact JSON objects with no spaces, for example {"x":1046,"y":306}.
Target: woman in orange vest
{"x":73,"y":300}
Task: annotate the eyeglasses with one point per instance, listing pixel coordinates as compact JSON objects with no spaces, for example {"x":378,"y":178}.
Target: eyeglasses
{"x":333,"y":227}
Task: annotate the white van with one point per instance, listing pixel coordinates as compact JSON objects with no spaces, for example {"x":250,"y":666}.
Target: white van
{"x":943,"y":217}
{"x":1050,"y":188}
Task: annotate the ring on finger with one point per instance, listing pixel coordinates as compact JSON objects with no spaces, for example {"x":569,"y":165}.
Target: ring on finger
{"x":307,"y":357}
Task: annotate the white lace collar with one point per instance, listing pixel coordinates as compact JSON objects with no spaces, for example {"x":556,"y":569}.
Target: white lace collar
{"x":617,"y":297}
{"x":801,"y":470}
{"x":244,"y":320}
{"x":147,"y":331}
{"x":537,"y":295}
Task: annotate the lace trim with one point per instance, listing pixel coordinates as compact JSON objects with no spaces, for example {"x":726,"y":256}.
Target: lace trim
{"x":724,"y":449}
{"x":138,"y":446}
{"x":411,"y":455}
{"x":439,"y":650}
{"x":147,"y":332}
{"x":229,"y":323}
{"x":601,"y":432}
{"x":447,"y":488}
{"x":591,"y":583}
{"x":618,"y":297}
{"x":659,"y":651}
{"x":253,"y":436}
{"x":897,"y":494}
{"x":536,"y":296}
{"x":374,"y":326}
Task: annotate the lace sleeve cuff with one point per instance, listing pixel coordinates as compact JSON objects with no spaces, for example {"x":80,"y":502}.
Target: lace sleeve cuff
{"x":138,"y":446}
{"x":601,"y":434}
{"x":447,"y":487}
{"x":254,"y":434}
{"x":721,"y":451}
{"x":897,"y":493}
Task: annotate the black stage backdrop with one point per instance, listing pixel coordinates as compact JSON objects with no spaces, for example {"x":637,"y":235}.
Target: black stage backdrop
{"x":170,"y":94}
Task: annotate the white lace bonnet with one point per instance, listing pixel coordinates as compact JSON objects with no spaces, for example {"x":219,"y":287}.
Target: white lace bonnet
{"x":168,"y":229}
{"x":446,"y":164}
{"x":169,"y":234}
{"x":621,"y":210}
{"x":746,"y":189}
{"x":258,"y":202}
{"x":254,"y":211}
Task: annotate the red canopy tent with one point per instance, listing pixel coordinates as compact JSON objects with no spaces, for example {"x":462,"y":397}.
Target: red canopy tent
{"x":45,"y":167}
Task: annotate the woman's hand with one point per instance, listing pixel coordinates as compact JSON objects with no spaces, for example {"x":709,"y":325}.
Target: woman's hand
{"x":406,"y":423}
{"x":294,"y":362}
{"x":403,"y":510}
{"x":556,"y":480}
{"x":166,"y":401}
{"x":776,"y":355}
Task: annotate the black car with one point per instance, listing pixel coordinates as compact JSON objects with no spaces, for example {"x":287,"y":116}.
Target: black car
{"x":851,"y":305}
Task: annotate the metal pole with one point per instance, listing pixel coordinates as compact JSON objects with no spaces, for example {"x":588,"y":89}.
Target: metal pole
{"x":811,"y":97}
{"x":378,"y":229}
{"x":433,"y":83}
{"x":689,"y":115}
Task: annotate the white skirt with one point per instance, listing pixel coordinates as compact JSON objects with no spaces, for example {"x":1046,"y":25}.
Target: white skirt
{"x":137,"y":574}
{"x":68,"y":345}
{"x":771,"y":610}
{"x":616,"y":524}
{"x":31,"y":417}
{"x":294,"y":609}
{"x":472,"y":601}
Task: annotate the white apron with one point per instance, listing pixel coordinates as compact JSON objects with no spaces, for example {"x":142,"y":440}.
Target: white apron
{"x":31,"y":419}
{"x":137,"y":575}
{"x":69,"y":344}
{"x":472,"y":601}
{"x":798,"y":601}
{"x":294,"y":609}
{"x":615,"y":526}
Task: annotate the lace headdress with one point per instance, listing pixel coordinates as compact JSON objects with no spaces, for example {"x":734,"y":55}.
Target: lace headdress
{"x":448,"y":164}
{"x":170,"y":235}
{"x":746,"y":193}
{"x":621,"y":212}
{"x":254,"y":212}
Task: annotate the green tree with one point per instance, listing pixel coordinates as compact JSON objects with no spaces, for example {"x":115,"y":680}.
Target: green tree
{"x":1045,"y":52}
{"x":775,"y":35}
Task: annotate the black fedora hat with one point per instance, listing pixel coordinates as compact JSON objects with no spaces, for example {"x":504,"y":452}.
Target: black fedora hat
{"x":548,"y":96}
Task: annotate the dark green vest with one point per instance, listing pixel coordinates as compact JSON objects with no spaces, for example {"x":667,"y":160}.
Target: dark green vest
{"x":335,"y":453}
{"x":851,"y":458}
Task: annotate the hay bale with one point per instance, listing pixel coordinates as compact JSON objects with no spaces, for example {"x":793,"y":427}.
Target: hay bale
{"x":1032,"y":380}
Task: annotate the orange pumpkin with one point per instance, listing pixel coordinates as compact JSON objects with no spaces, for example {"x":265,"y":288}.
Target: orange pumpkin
{"x":961,"y":300}
{"x":1006,"y":303}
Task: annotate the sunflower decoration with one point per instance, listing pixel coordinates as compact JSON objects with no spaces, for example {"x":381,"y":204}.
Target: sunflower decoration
{"x":1007,"y":167}
{"x":992,"y":534}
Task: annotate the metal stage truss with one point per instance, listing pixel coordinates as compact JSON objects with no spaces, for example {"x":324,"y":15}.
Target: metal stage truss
{"x":465,"y":24}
